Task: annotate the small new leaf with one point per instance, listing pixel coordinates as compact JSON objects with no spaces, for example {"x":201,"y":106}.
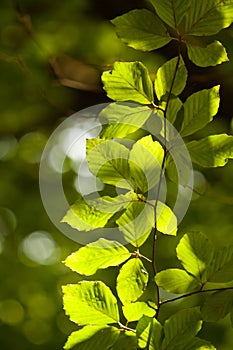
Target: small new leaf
{"x":128,"y":81}
{"x":142,"y":30}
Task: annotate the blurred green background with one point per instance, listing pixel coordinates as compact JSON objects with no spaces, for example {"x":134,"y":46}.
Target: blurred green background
{"x":51,"y":58}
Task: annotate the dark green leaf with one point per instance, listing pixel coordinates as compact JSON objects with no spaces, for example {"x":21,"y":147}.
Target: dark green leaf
{"x":142,"y":30}
{"x":128,"y":81}
{"x":217,"y":305}
{"x":180,"y":328}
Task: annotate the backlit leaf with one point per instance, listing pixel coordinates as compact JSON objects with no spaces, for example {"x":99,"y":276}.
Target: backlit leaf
{"x":208,"y":17}
{"x":166,"y":220}
{"x":93,"y":337}
{"x":164,"y":78}
{"x":149,"y":333}
{"x":221,"y":268}
{"x":131,"y":281}
{"x":174,"y":106}
{"x":134,"y":311}
{"x":212,"y":151}
{"x":136,"y":222}
{"x":142,"y":30}
{"x":211,"y":55}
{"x":90,"y":302}
{"x":171,"y":11}
{"x":197,"y":344}
{"x":87,"y":215}
{"x":177,"y":281}
{"x":128,"y":81}
{"x":97,"y":255}
{"x":108,"y":160}
{"x":199,"y":110}
{"x":122,"y":119}
{"x":195,"y":252}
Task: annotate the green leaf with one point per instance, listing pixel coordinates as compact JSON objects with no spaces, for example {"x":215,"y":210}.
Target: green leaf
{"x":108,"y":160}
{"x":221,"y":267}
{"x":180,"y":327}
{"x":165,"y":74}
{"x":97,"y":255}
{"x":90,"y":302}
{"x":128,"y":81}
{"x":199,"y":110}
{"x":87,"y":215}
{"x":197,"y":344}
{"x":134,"y":311}
{"x":211,"y":151}
{"x":174,"y":106}
{"x":231,"y":317}
{"x":208,"y":17}
{"x":131,"y":281}
{"x":171,"y":11}
{"x":149,"y":333}
{"x":122,"y":119}
{"x":142,"y":30}
{"x":136,"y":222}
{"x":145,"y":161}
{"x":166,"y":220}
{"x":217,"y":305}
{"x":89,"y":337}
{"x":211,"y":55}
{"x":127,"y":341}
{"x":177,"y":281}
{"x":195,"y":253}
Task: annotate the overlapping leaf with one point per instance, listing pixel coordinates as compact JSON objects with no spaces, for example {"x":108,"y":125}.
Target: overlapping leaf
{"x":89,"y":302}
{"x":180,"y":328}
{"x":87,"y":215}
{"x":120,"y":120}
{"x":165,"y":74}
{"x":128,"y":81}
{"x":134,"y":311}
{"x":149,"y":333}
{"x":97,"y":255}
{"x":142,"y":30}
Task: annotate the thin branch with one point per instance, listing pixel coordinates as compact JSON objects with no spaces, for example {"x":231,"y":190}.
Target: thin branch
{"x":194,"y":293}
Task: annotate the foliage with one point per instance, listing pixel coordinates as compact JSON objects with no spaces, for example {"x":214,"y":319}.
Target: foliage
{"x":133,"y":160}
